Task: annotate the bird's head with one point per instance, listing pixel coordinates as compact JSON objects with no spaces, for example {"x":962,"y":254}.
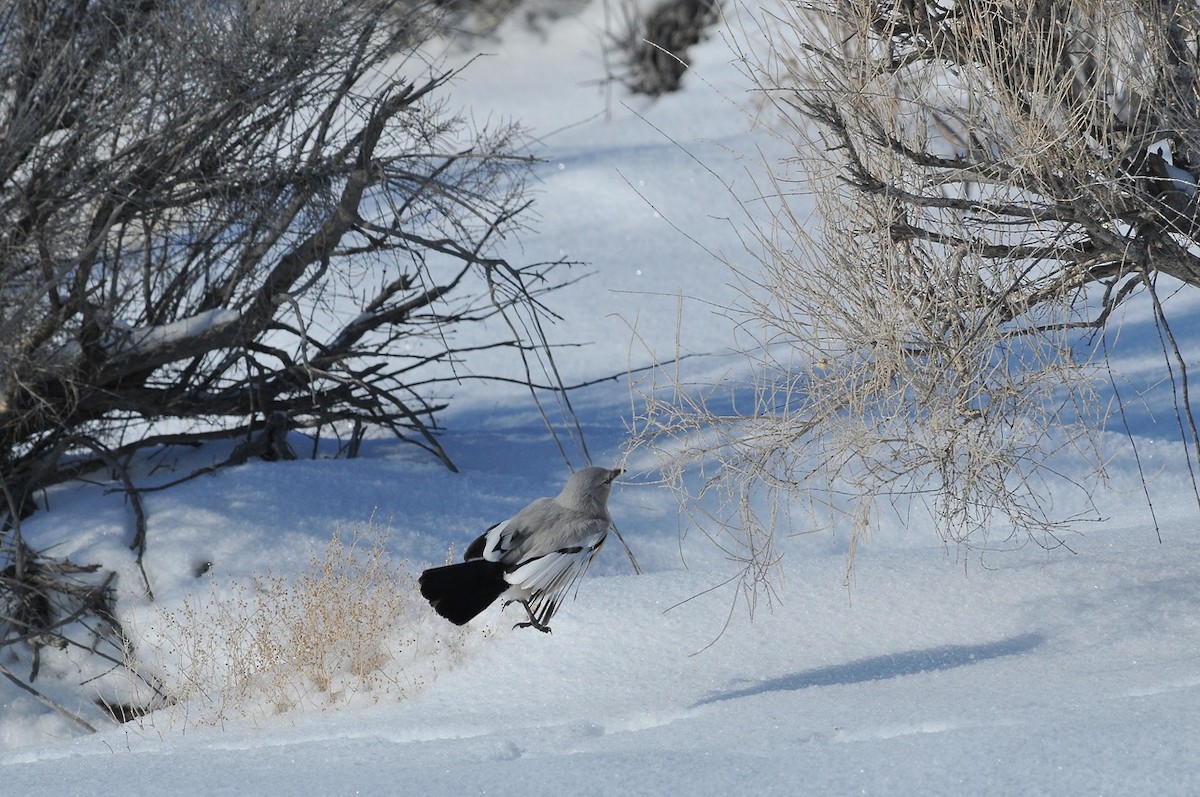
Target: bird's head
{"x":589,"y":488}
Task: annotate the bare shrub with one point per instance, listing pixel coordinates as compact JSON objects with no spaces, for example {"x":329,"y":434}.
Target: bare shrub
{"x":226,"y":220}
{"x":991,"y":182}
{"x":468,"y":20}
{"x":653,"y":44}
{"x":343,"y":629}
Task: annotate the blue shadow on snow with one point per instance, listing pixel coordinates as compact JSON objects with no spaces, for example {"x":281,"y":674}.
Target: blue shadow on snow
{"x":880,"y":668}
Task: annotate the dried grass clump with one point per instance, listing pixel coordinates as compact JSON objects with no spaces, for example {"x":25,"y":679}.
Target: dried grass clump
{"x":342,"y":630}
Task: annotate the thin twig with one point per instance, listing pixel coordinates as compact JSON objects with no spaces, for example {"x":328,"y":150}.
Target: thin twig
{"x":78,"y":720}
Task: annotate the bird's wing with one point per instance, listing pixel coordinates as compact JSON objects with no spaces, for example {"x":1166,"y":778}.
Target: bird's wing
{"x":554,"y":570}
{"x":506,"y":541}
{"x":488,"y":545}
{"x":547,"y":578}
{"x":544,"y":549}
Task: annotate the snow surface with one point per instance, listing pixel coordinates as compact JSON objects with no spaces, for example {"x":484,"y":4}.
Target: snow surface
{"x":933,"y":672}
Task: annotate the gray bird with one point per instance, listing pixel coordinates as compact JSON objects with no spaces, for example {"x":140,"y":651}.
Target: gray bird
{"x":537,"y":554}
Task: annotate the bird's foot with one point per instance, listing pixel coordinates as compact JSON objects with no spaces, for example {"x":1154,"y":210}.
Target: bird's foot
{"x":545,"y":629}
{"x":533,"y":621}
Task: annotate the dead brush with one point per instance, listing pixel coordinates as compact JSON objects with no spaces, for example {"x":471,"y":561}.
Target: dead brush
{"x":343,"y":629}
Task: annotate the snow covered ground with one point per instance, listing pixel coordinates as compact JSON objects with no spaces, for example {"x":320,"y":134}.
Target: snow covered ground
{"x":1049,"y":675}
{"x":1018,"y":672}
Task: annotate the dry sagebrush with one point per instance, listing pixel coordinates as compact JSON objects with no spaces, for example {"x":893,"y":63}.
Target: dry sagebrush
{"x":974,"y":192}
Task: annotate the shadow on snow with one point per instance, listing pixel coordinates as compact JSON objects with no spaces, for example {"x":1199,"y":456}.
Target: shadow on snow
{"x":881,"y":668}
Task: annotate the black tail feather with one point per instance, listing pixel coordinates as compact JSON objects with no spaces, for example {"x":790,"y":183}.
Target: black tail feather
{"x":460,"y":591}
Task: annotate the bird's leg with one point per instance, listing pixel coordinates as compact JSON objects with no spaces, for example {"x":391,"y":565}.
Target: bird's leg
{"x":545,"y":629}
{"x":533,"y":621}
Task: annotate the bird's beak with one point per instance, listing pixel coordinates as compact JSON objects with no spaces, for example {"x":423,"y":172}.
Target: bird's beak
{"x":614,"y":473}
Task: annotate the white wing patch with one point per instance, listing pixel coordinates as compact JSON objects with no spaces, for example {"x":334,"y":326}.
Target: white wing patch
{"x":540,"y":574}
{"x":497,"y":542}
